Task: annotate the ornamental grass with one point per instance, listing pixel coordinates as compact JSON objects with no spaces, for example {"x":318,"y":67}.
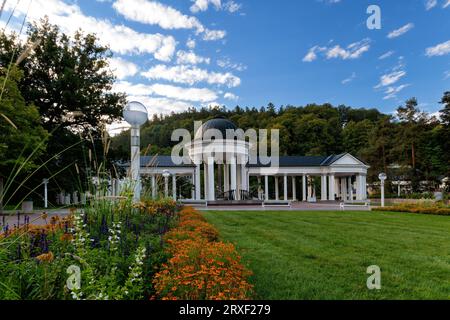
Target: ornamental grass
{"x":200,"y":267}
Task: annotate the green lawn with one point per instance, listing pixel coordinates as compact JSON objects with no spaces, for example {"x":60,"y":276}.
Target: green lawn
{"x":325,"y":255}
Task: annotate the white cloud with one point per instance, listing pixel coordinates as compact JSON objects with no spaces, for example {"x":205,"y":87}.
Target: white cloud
{"x":231,"y":96}
{"x":203,"y":95}
{"x":439,"y":50}
{"x":446,"y":74}
{"x":191,"y":43}
{"x":185,"y":57}
{"x":155,"y":13}
{"x":232,"y":6}
{"x":400,"y":31}
{"x":349,"y":79}
{"x":119,"y":38}
{"x":212,"y":35}
{"x":386,"y":55}
{"x":311,"y":55}
{"x":391,"y":78}
{"x":227,"y":64}
{"x":203,"y":5}
{"x":122,"y":68}
{"x":446,"y":4}
{"x":352,"y":51}
{"x":391,"y":92}
{"x":430,"y":4}
{"x":191,"y":75}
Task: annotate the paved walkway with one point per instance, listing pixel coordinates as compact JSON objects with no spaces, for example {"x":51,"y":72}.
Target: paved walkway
{"x":35,"y":218}
{"x":296,"y":206}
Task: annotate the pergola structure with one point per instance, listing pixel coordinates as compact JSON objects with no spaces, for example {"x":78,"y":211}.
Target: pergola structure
{"x":342,"y":177}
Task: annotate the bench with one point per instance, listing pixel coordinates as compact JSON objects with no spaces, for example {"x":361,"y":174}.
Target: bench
{"x":276,"y":203}
{"x":354,"y":204}
{"x":190,"y":202}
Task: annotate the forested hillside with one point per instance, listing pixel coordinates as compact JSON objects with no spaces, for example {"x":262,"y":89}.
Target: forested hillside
{"x":413,"y":140}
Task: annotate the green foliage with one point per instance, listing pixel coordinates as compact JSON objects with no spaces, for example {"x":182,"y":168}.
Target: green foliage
{"x":23,"y":143}
{"x":69,"y":81}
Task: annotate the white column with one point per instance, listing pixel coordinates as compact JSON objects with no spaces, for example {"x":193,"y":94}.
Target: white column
{"x":344,"y":189}
{"x":226,"y":178}
{"x":323,"y":187}
{"x":193,"y":184}
{"x":304,"y":198}
{"x":238,"y":181}
{"x":211,"y":189}
{"x":233,"y":175}
{"x":331,"y":185}
{"x":244,"y":178}
{"x":310,"y":191}
{"x":266,"y":188}
{"x":277,"y":191}
{"x":350,"y":188}
{"x":260,"y":193}
{"x":285,"y":186}
{"x":166,"y":187}
{"x":294,"y":189}
{"x":364,"y":187}
{"x":154,"y":191}
{"x":358,"y":187}
{"x":198,"y":182}
{"x":174,"y":187}
{"x":205,"y":180}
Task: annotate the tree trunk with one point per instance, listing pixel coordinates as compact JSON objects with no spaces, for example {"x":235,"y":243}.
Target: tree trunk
{"x":413,"y":156}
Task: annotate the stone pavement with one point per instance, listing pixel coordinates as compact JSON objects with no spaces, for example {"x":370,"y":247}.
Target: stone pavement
{"x":295,"y":206}
{"x":35,"y":218}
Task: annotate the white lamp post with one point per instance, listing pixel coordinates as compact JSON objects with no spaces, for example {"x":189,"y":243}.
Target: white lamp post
{"x":135,"y":113}
{"x":166,"y":175}
{"x":45,"y":182}
{"x":382,"y":176}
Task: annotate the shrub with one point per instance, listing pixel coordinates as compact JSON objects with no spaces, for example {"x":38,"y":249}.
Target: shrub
{"x":422,"y":208}
{"x":200,"y":267}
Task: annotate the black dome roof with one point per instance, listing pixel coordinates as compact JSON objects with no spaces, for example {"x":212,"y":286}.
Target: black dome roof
{"x":220,"y":124}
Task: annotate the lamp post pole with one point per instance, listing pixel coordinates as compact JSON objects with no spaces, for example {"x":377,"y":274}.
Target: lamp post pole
{"x":45,"y":182}
{"x":382,"y":176}
{"x":135,"y":113}
{"x":136,"y":162}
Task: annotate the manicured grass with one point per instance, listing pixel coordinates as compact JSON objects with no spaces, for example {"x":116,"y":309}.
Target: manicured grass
{"x":325,"y":255}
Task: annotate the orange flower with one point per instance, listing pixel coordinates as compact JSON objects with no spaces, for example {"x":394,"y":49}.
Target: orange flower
{"x":46,"y":257}
{"x":200,"y":267}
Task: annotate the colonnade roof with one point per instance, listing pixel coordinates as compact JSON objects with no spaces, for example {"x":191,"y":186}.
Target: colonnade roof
{"x":284,"y":161}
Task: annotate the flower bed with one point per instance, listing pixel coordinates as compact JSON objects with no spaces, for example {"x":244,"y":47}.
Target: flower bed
{"x":200,"y":267}
{"x":113,"y":246}
{"x":421,"y":208}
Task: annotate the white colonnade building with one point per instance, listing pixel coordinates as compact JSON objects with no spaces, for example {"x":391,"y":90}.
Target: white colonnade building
{"x":232,"y":178}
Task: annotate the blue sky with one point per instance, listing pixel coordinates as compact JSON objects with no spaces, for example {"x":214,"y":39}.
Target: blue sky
{"x":172,"y":54}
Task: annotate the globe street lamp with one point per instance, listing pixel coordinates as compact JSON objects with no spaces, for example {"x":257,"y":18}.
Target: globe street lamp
{"x":166,"y":175}
{"x":382,"y":176}
{"x":135,"y":113}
